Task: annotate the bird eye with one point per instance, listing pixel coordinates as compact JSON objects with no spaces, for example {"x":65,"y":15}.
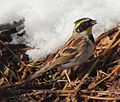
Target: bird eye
{"x":78,"y":29}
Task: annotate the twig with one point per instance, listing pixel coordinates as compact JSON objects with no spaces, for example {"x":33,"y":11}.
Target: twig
{"x":105,"y":34}
{"x":110,"y":45}
{"x":108,"y":76}
{"x":100,"y":98}
{"x":13,"y":54}
{"x":86,"y":75}
{"x":115,"y":44}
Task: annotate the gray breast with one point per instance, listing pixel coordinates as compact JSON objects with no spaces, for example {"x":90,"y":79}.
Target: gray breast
{"x":84,"y":57}
{"x":87,"y":53}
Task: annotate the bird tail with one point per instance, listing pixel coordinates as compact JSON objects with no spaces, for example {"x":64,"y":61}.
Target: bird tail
{"x":39,"y":72}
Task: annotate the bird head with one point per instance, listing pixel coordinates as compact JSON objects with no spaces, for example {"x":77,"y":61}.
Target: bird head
{"x":84,"y":26}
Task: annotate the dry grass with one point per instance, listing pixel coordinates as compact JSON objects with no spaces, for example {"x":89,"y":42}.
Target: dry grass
{"x":96,"y":80}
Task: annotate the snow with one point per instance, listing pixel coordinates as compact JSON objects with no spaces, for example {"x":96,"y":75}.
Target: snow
{"x":49,"y":23}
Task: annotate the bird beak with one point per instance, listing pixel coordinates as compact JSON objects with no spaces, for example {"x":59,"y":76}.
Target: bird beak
{"x":93,"y":22}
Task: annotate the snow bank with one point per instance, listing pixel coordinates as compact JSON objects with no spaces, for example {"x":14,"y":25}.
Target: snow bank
{"x":49,"y":23}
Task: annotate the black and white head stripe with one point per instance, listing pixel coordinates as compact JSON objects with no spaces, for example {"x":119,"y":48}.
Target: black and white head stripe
{"x":82,"y":24}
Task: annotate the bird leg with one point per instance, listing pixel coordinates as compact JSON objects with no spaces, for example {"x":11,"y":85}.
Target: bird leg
{"x":70,"y":83}
{"x":65,"y":71}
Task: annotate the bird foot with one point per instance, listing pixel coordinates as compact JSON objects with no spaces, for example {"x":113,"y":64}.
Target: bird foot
{"x":72,"y":84}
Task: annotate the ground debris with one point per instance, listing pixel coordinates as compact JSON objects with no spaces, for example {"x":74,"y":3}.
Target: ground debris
{"x":96,"y":80}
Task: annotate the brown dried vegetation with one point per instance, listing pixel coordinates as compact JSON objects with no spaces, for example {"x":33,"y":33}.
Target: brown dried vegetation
{"x":96,"y":80}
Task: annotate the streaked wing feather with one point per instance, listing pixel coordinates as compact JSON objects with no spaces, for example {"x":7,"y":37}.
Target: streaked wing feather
{"x":72,"y":49}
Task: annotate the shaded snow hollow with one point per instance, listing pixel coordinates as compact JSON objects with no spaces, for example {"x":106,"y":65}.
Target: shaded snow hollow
{"x":49,"y":23}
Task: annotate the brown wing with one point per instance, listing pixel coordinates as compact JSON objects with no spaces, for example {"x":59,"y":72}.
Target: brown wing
{"x":72,"y":49}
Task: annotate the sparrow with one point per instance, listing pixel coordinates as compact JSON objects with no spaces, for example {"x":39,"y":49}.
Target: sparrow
{"x":75,"y":51}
